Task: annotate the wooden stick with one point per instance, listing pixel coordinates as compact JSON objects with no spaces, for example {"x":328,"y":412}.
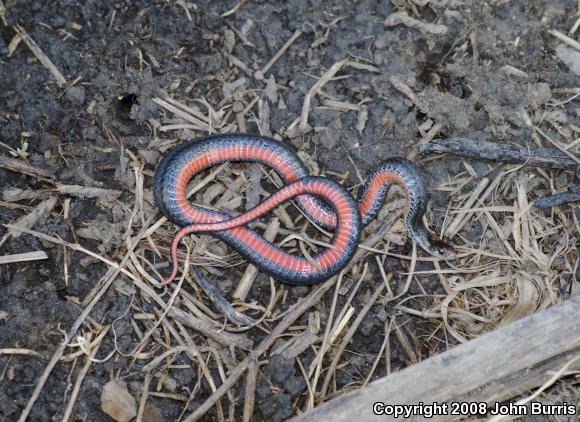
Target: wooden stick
{"x":43,"y":58}
{"x":29,"y":220}
{"x":106,"y":282}
{"x":184,"y":114}
{"x":494,"y":367}
{"x":406,"y":90}
{"x":349,"y":334}
{"x":219,"y":301}
{"x":292,"y":315}
{"x":260,"y":75}
{"x":3,"y":13}
{"x":251,"y":272}
{"x":19,"y":166}
{"x":327,"y":76}
{"x":19,"y":351}
{"x":403,"y":18}
{"x":82,"y":374}
{"x":565,"y":39}
{"x":105,"y":195}
{"x":21,"y":257}
{"x":513,"y":154}
{"x":571,"y":195}
{"x":203,"y":327}
{"x":250,"y":390}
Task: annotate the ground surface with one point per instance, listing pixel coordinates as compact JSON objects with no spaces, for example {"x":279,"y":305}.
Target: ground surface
{"x":489,"y":70}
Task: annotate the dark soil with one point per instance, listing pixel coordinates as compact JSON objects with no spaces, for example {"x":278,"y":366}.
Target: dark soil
{"x":125,"y":53}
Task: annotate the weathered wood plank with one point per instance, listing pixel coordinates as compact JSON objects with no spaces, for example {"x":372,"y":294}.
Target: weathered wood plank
{"x":494,"y":367}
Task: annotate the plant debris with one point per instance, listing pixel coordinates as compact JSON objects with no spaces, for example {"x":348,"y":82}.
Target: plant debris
{"x":94,"y":95}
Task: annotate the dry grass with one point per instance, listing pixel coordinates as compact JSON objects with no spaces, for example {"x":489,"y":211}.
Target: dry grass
{"x":514,"y":267}
{"x":515,"y":260}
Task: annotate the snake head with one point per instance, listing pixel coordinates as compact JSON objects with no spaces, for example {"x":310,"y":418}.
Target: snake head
{"x":442,"y":250}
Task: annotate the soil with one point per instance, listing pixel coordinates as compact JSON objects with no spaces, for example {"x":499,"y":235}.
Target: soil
{"x":123,"y":54}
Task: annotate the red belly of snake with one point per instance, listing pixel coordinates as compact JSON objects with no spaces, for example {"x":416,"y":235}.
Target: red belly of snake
{"x":323,"y":201}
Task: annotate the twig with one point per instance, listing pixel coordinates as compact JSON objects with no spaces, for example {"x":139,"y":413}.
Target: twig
{"x":108,"y":280}
{"x":37,"y":51}
{"x":400,"y":86}
{"x":3,"y":13}
{"x":512,"y":154}
{"x":403,"y":18}
{"x":350,"y":333}
{"x":239,"y":64}
{"x":184,"y":112}
{"x":225,"y":308}
{"x":327,"y":76}
{"x":144,"y":396}
{"x":565,"y":39}
{"x":250,"y":390}
{"x":234,"y":9}
{"x":220,"y":336}
{"x":20,"y":167}
{"x":384,"y":346}
{"x":260,"y":74}
{"x":514,"y":71}
{"x":571,"y":195}
{"x":424,"y":140}
{"x":82,"y":374}
{"x":293,"y":314}
{"x":195,"y":355}
{"x":23,"y":257}
{"x":251,"y":272}
{"x":316,"y":365}
{"x":30,"y":219}
{"x":105,"y":195}
{"x":22,"y":352}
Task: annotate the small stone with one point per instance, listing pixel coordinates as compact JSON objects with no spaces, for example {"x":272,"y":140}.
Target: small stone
{"x":117,"y":402}
{"x":76,"y":95}
{"x":152,"y":413}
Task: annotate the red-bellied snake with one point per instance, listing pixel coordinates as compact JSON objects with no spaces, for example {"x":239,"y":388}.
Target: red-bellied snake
{"x":323,"y":201}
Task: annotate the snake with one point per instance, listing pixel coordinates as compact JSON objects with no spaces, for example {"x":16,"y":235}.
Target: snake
{"x":323,"y":201}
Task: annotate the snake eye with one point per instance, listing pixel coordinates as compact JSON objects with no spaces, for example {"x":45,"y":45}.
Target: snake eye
{"x":448,"y":252}
{"x":444,"y":250}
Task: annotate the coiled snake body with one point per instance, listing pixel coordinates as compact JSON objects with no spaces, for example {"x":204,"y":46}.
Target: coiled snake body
{"x":337,"y":210}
